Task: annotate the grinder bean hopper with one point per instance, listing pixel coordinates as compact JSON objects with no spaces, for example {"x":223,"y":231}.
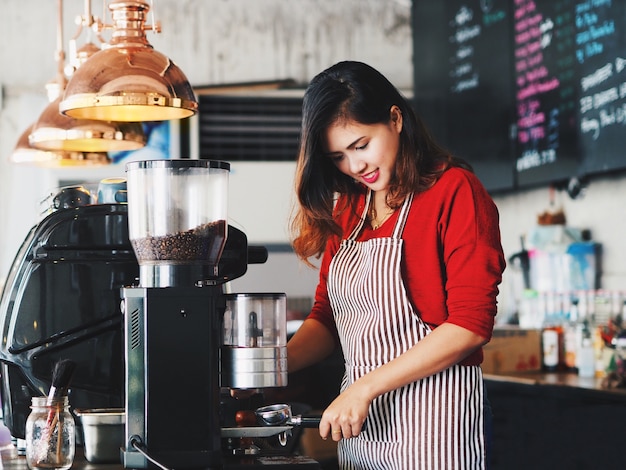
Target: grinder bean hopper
{"x":174,"y":318}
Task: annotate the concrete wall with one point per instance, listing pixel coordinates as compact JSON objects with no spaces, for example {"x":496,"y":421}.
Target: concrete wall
{"x":222,"y":41}
{"x":213,"y":42}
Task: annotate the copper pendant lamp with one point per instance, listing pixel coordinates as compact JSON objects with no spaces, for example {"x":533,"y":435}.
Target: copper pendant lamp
{"x":129,"y":81}
{"x":56,"y":140}
{"x":24,"y":153}
{"x":54,"y":131}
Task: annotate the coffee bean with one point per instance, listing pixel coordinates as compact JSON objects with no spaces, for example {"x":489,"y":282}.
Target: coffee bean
{"x":202,"y":243}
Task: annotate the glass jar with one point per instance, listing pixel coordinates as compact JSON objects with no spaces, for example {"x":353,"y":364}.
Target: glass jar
{"x":50,"y":434}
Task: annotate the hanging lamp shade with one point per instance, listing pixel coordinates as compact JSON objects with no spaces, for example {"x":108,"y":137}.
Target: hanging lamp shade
{"x":129,"y":81}
{"x":24,"y":153}
{"x":54,"y":131}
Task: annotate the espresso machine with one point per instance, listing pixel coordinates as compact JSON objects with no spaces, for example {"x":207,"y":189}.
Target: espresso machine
{"x":61,"y":300}
{"x":186,"y":338}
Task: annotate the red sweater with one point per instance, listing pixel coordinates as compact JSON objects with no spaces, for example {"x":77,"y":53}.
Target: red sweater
{"x":452,"y":261}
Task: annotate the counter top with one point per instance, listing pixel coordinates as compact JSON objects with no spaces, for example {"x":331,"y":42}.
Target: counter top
{"x":283,"y":462}
{"x":563,"y":382}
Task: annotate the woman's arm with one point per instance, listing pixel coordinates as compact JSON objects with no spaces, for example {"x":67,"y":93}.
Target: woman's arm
{"x":316,"y":338}
{"x":445,"y":346}
{"x":312,"y":343}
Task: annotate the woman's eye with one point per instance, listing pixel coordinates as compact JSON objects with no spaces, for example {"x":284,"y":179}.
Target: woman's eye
{"x":361,"y":147}
{"x":336,"y":158}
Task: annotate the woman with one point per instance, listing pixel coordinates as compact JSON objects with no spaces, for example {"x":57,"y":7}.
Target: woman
{"x":408,"y":280}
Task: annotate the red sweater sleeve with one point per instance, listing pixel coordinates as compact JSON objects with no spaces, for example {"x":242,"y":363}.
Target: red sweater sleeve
{"x":453,"y":258}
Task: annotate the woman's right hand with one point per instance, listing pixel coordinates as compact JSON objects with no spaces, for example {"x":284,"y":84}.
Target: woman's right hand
{"x":345,"y":416}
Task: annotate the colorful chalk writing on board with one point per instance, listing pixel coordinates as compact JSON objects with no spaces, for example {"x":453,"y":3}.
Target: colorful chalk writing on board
{"x":601,"y":58}
{"x":538,"y":85}
{"x":544,"y":38}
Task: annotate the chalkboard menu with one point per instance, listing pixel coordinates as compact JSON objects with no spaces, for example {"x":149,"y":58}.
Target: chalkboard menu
{"x":601,"y":62}
{"x":469,"y":75}
{"x":528,"y":91}
{"x":545,"y":90}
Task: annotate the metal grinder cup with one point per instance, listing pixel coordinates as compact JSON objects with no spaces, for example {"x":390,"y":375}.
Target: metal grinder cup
{"x":254,"y":354}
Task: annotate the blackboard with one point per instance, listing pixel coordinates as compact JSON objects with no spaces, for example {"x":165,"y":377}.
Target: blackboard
{"x":601,"y":62}
{"x":528,"y":91}
{"x":547,"y":146}
{"x":462,"y":82}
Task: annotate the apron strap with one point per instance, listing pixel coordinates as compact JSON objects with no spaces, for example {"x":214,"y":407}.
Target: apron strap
{"x":359,"y":226}
{"x":404,"y":213}
{"x":400,"y":223}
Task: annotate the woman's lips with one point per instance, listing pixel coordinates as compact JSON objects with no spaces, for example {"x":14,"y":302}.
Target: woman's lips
{"x":371,"y":177}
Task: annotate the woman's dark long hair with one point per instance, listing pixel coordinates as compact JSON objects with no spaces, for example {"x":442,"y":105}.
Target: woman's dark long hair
{"x":354,"y":91}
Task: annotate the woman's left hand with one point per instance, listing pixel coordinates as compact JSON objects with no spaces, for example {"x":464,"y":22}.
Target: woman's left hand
{"x":345,"y":416}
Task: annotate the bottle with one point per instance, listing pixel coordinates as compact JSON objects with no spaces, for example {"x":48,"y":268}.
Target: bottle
{"x":50,"y":434}
{"x":586,"y":354}
{"x":620,"y":354}
{"x":551,"y":345}
{"x":599,"y":349}
{"x":572,"y":337}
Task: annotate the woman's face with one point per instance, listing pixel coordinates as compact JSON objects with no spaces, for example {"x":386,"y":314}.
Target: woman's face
{"x":366,"y":152}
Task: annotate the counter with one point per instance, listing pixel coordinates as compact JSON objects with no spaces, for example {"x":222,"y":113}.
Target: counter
{"x":541,"y":421}
{"x":561,"y":381}
{"x":556,"y":420}
{"x":279,"y":462}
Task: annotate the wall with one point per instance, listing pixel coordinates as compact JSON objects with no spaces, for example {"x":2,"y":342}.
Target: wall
{"x":218,"y":41}
{"x":213,"y":42}
{"x":600,"y":208}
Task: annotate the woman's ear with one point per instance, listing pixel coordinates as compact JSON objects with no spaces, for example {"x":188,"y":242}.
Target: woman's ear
{"x":396,"y":117}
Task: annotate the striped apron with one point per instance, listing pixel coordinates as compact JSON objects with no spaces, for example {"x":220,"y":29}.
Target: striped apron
{"x":434,"y":423}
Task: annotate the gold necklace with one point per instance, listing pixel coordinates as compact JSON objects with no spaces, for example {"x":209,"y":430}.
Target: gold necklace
{"x":374,"y":222}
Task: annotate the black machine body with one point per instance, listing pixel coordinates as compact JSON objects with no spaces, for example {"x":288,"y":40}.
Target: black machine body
{"x":62,"y":299}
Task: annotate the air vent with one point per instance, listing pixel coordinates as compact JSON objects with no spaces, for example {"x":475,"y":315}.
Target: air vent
{"x":250,"y":128}
{"x":136,"y":321}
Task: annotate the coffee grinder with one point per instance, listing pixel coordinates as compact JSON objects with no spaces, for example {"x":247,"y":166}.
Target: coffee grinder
{"x":177,"y":212}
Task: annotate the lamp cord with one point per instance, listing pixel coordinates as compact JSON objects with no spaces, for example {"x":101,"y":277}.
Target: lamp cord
{"x":154,"y":27}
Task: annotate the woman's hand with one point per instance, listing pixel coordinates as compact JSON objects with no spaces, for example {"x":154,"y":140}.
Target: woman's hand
{"x":345,"y":416}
